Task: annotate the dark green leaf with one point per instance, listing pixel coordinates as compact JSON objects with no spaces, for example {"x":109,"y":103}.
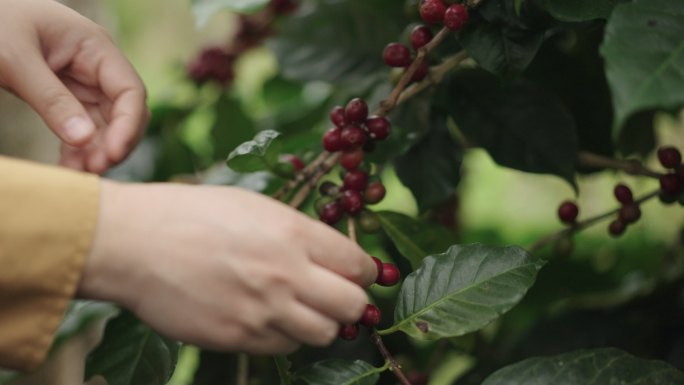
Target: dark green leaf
{"x":463,"y":290}
{"x":337,"y":41}
{"x":413,"y":238}
{"x":644,"y":55}
{"x":588,"y":367}
{"x":283,"y":365}
{"x":340,"y":372}
{"x":431,"y":169}
{"x":580,"y":10}
{"x":205,"y":9}
{"x":132,"y":354}
{"x":521,"y":126}
{"x":638,"y":136}
{"x":79,"y":316}
{"x":231,"y":126}
{"x":6,"y":377}
{"x":256,"y":155}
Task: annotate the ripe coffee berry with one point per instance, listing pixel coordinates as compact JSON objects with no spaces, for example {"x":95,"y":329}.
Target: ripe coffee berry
{"x":378,"y":265}
{"x":332,"y":140}
{"x":617,"y":227}
{"x":629,"y":213}
{"x":432,"y":11}
{"x":396,"y":55}
{"x":337,"y":116}
{"x":378,"y":127}
{"x":420,"y":36}
{"x":567,"y":212}
{"x":669,"y":157}
{"x":455,"y":17}
{"x":671,"y":184}
{"x":371,"y":316}
{"x":369,"y":222}
{"x":623,"y":194}
{"x":390,"y":275}
{"x":374,"y":193}
{"x":352,"y":202}
{"x":355,"y":180}
{"x":283,"y":7}
{"x":356,"y":111}
{"x":331,"y":213}
{"x":667,"y":198}
{"x":352,"y":137}
{"x":351,"y":160}
{"x":294,"y":160}
{"x":421,"y":71}
{"x":212,"y":64}
{"x":349,"y":332}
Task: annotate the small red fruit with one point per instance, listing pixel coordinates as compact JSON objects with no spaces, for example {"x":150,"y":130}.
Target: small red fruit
{"x":331,"y":213}
{"x":374,"y":193}
{"x":355,"y":180}
{"x":337,"y":116}
{"x":390,"y":275}
{"x":629,"y":213}
{"x":349,"y":332}
{"x":669,"y":157}
{"x":295,"y":160}
{"x":617,"y":227}
{"x":351,"y":160}
{"x":378,"y":127}
{"x":455,"y":17}
{"x":371,"y":316}
{"x":432,"y":11}
{"x":352,"y":202}
{"x":352,"y":137}
{"x":623,"y":194}
{"x":378,"y":266}
{"x":332,"y":140}
{"x":421,"y":71}
{"x":671,"y":184}
{"x":356,"y":111}
{"x":567,"y":212}
{"x":420,"y":36}
{"x":396,"y":55}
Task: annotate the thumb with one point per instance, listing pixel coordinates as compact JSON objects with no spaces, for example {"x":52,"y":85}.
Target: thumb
{"x":37,"y":84}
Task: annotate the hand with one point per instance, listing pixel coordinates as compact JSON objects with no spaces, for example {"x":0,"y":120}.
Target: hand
{"x":224,"y":268}
{"x":68,"y":69}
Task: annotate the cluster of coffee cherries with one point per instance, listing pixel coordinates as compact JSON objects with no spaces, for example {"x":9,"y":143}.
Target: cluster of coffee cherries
{"x":398,"y":55}
{"x":672,"y":182}
{"x":454,"y":16}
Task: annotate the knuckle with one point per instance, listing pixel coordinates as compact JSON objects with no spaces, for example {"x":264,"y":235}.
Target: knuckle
{"x":357,"y":304}
{"x":54,"y":99}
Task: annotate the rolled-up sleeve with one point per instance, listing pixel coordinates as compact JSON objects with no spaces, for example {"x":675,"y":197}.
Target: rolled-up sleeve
{"x":47,"y":222}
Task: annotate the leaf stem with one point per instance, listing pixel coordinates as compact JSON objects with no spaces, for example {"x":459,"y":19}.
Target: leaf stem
{"x":630,"y":166}
{"x":536,"y":246}
{"x":394,"y":366}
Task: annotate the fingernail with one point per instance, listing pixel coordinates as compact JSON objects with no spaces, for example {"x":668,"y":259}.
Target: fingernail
{"x":77,"y":129}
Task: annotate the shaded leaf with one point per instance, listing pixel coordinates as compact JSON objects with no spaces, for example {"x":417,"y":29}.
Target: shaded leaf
{"x":463,"y":290}
{"x":413,"y":238}
{"x":231,"y":127}
{"x":131,"y":353}
{"x":587,"y":367}
{"x":644,"y":55}
{"x":283,"y":365}
{"x":638,"y":136}
{"x":580,"y":10}
{"x":79,"y":316}
{"x":340,"y":372}
{"x":256,"y":155}
{"x":205,"y":9}
{"x":521,"y":126}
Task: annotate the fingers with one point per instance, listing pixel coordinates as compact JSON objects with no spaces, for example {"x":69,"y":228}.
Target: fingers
{"x":337,"y":297}
{"x":302,"y":323}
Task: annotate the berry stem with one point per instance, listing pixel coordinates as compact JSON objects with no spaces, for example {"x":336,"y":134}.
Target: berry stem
{"x":549,"y":239}
{"x":394,"y":366}
{"x":630,"y":166}
{"x":328,"y":162}
{"x":437,"y":74}
{"x":302,"y":176}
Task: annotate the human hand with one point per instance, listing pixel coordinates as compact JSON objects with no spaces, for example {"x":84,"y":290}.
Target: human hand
{"x":224,"y":268}
{"x":68,"y":69}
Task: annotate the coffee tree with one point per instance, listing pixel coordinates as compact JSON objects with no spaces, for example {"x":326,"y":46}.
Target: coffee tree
{"x":370,"y":88}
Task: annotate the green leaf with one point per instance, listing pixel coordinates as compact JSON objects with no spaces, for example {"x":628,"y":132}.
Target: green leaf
{"x":283,"y":365}
{"x":644,"y":55}
{"x":131,"y":353}
{"x":340,"y":372}
{"x":337,"y":41}
{"x":463,"y":290}
{"x":580,"y":10}
{"x":521,"y":125}
{"x":258,"y":154}
{"x":205,"y":9}
{"x":587,"y":367}
{"x":638,"y":136}
{"x":79,"y":316}
{"x":231,"y":127}
{"x":431,"y":169}
{"x":413,"y":238}
{"x":7,"y":377}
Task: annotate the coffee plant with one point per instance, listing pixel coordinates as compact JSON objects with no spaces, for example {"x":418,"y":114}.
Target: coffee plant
{"x":371,"y":89}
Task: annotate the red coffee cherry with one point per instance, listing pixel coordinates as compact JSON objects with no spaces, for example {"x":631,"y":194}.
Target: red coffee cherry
{"x":629,"y":213}
{"x":567,"y":212}
{"x":332,"y":141}
{"x":212,"y":64}
{"x":669,"y":157}
{"x":283,"y":7}
{"x":420,"y":36}
{"x":421,"y":71}
{"x":671,"y":184}
{"x":331,"y":213}
{"x":352,"y":202}
{"x":337,"y":116}
{"x":352,"y":137}
{"x":390,"y":275}
{"x":617,"y":227}
{"x":378,"y":127}
{"x":418,"y":378}
{"x":356,"y":111}
{"x":349,"y":332}
{"x":623,"y":194}
{"x":371,"y":316}
{"x":295,"y":160}
{"x":455,"y":17}
{"x":396,"y":55}
{"x":432,"y":11}
{"x":355,"y":180}
{"x":374,"y":193}
{"x":378,"y":265}
{"x":351,"y":160}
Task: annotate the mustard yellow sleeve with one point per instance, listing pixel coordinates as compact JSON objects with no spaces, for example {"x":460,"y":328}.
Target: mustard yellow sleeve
{"x":47,"y":222}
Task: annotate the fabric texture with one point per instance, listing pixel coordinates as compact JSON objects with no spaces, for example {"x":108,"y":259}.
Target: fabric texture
{"x":48,"y":217}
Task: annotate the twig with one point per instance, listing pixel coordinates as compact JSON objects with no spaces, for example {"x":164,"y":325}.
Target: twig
{"x":394,"y":366}
{"x":630,"y":166}
{"x":584,"y":224}
{"x":243,"y":369}
{"x":320,"y":171}
{"x":302,"y":176}
{"x":437,"y":74}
